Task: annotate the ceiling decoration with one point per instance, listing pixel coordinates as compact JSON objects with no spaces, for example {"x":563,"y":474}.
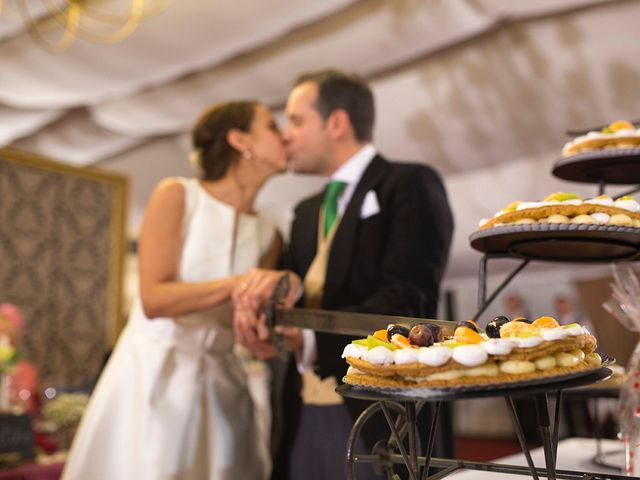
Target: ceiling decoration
{"x":55,"y":24}
{"x":483,"y":90}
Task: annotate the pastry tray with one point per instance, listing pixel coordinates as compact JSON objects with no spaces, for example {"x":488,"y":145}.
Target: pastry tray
{"x":617,"y":166}
{"x":525,"y":387}
{"x":560,"y":242}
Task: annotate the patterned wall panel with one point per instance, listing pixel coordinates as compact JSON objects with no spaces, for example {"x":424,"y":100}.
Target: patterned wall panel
{"x":61,"y":261}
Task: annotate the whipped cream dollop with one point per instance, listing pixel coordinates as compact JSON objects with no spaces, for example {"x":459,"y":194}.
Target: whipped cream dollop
{"x":602,"y":200}
{"x":575,"y":330}
{"x":470,"y":355}
{"x":550,"y":334}
{"x":498,"y":346}
{"x":627,"y":204}
{"x":527,"y":342}
{"x":355,"y":351}
{"x":526,"y":205}
{"x":627,"y":132}
{"x":595,"y":134}
{"x":380,"y":356}
{"x":435,"y":355}
{"x":406,"y":355}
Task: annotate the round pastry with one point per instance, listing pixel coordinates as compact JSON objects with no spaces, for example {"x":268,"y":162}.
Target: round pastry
{"x":619,"y":134}
{"x":562,"y":207}
{"x":519,"y":351}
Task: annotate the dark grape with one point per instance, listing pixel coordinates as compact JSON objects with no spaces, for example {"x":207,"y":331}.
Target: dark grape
{"x":421,"y":335}
{"x":393,"y":329}
{"x":493,"y":327}
{"x":436,"y":332}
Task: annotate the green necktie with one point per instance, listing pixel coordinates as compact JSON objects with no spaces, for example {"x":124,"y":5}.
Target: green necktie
{"x":334,"y":189}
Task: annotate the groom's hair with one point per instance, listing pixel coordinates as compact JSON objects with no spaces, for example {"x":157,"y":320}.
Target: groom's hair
{"x":345,"y":91}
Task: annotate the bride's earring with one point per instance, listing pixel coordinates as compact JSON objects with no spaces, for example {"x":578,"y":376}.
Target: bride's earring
{"x":246,"y":154}
{"x":195,"y":158}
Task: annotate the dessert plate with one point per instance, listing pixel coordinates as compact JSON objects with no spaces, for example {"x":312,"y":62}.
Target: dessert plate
{"x":618,"y":166}
{"x":561,"y":242}
{"x":523,"y":387}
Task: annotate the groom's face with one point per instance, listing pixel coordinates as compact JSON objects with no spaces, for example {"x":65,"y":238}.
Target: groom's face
{"x":306,"y":137}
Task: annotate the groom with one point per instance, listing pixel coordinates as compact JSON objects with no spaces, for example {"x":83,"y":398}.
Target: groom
{"x":376,"y":240}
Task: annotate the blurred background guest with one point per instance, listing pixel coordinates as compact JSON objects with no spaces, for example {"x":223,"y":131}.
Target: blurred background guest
{"x":568,"y":311}
{"x":515,"y":306}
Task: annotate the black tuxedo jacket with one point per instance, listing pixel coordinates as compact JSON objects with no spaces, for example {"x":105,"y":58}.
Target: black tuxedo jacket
{"x":389,"y":263}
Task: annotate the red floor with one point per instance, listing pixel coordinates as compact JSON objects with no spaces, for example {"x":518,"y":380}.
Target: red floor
{"x":484,"y":450}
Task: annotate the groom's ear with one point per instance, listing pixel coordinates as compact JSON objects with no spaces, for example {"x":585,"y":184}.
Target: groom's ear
{"x":339,"y":124}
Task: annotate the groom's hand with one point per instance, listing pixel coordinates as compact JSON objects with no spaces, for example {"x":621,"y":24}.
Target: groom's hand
{"x":256,"y":287}
{"x":250,"y":296}
{"x":252,"y":332}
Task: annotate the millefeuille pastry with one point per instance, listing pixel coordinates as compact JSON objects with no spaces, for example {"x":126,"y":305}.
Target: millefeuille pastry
{"x":507,"y":351}
{"x":561,"y":207}
{"x":619,"y":134}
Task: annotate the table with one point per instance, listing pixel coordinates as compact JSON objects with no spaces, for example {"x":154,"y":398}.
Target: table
{"x":32,"y":471}
{"x":573,"y":454}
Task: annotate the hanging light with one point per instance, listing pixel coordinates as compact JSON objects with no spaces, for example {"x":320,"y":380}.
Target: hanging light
{"x":60,"y":22}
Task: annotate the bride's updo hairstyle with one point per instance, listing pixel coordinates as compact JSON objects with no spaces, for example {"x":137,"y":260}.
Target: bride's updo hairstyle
{"x":212,"y":152}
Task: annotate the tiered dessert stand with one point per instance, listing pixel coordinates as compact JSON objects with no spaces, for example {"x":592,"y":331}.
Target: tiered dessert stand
{"x":574,"y":243}
{"x":400,"y":453}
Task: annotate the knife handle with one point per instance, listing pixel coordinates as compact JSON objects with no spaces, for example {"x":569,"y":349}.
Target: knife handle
{"x":278,"y":296}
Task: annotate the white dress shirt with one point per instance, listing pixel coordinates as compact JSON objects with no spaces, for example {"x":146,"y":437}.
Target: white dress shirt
{"x":350,"y":172}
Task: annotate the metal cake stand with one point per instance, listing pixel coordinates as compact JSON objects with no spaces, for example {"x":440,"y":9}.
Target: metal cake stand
{"x":402,"y":452}
{"x":570,"y":243}
{"x":616,"y":166}
{"x":566,"y":242}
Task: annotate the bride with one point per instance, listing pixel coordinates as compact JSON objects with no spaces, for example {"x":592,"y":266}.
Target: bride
{"x":172,"y":402}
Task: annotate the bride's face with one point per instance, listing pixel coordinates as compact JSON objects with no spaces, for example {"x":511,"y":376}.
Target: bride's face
{"x":265,"y":142}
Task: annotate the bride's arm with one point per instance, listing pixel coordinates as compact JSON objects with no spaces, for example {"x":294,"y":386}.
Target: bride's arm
{"x":270,"y":259}
{"x":159,"y":253}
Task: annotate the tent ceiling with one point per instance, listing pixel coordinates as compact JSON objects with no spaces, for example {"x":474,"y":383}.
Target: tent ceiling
{"x":481,"y":89}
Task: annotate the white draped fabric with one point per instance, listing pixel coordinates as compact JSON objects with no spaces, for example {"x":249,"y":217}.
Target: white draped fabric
{"x":17,"y":123}
{"x":481,"y":89}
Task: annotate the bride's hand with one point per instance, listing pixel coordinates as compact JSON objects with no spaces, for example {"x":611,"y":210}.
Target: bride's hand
{"x":252,"y":333}
{"x":255,"y":289}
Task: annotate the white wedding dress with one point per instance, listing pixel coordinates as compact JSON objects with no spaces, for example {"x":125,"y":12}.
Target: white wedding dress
{"x":172,"y":402}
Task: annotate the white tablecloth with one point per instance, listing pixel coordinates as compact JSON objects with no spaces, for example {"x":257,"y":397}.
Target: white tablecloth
{"x":573,"y":454}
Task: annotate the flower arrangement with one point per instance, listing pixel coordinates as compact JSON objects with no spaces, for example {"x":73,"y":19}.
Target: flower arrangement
{"x":8,"y":356}
{"x":11,"y":322}
{"x":62,"y":415}
{"x":65,"y":411}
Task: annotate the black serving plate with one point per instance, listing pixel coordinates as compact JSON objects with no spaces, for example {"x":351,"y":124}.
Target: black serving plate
{"x":617,"y":166}
{"x":560,"y":242}
{"x":524,"y":387}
